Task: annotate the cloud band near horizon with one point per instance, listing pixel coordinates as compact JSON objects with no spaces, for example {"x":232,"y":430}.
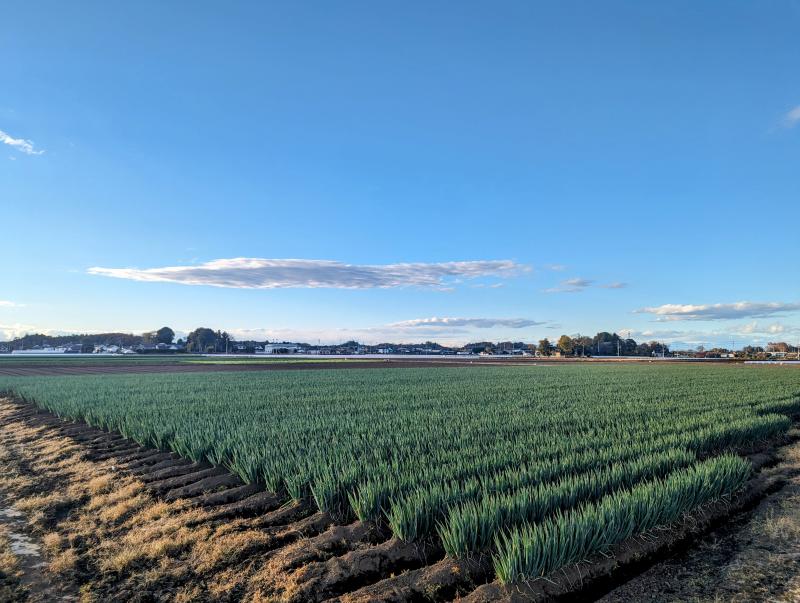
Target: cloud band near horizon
{"x":744,"y":309}
{"x":262,"y":273}
{"x":479,"y":323}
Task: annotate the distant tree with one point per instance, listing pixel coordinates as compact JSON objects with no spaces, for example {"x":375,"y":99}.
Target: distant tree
{"x":222,"y":341}
{"x":628,"y":347}
{"x":752,"y":351}
{"x":164,"y":335}
{"x":658,"y":349}
{"x":201,"y":340}
{"x":777,"y":346}
{"x":544,"y":347}
{"x":28,"y":341}
{"x":582,"y":345}
{"x":605,"y":343}
{"x":566,"y":345}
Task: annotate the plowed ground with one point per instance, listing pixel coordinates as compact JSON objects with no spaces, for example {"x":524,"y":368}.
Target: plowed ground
{"x":116,"y":521}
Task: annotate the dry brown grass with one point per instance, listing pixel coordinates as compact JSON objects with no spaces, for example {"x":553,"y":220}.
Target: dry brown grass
{"x":783,"y":524}
{"x":126,"y":489}
{"x":42,"y":508}
{"x":9,"y":564}
{"x":13,"y":482}
{"x":170,"y":545}
{"x":63,"y":562}
{"x":213,"y":553}
{"x":52,"y":542}
{"x":124,"y":508}
{"x":154,"y":511}
{"x":100,"y":484}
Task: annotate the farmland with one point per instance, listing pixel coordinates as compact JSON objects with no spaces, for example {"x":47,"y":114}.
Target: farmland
{"x":537,"y":467}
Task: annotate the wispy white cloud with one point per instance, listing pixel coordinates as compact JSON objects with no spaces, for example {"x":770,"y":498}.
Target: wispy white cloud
{"x":480,"y":323}
{"x":571,"y":285}
{"x":792,"y":117}
{"x":262,"y":273}
{"x":10,"y":304}
{"x":744,"y":309}
{"x":758,"y":329}
{"x":20,"y":144}
{"x":556,"y":267}
{"x":576,"y":285}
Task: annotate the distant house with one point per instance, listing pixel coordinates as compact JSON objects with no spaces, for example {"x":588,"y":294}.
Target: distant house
{"x":279,"y":348}
{"x":65,"y":349}
{"x":106,"y":349}
{"x":158,"y":348}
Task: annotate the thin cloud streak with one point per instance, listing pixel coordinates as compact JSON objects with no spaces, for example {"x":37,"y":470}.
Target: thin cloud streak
{"x":571,"y":285}
{"x":10,"y":304}
{"x":744,"y":309}
{"x":792,"y":118}
{"x":262,"y":273}
{"x":576,"y":285}
{"x":480,"y":323}
{"x":20,"y":144}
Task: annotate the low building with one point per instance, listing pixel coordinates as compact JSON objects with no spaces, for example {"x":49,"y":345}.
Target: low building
{"x":106,"y":349}
{"x":46,"y":350}
{"x":158,"y":348}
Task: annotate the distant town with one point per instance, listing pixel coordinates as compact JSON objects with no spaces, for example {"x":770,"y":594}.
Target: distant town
{"x":208,"y":341}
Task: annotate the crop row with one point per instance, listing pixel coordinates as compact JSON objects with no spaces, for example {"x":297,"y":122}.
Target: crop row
{"x":458,"y":454}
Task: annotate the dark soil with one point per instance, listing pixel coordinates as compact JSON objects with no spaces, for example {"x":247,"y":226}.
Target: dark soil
{"x":251,"y":546}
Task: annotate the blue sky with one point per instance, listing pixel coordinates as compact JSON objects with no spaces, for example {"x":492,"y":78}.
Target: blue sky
{"x":447,"y":171}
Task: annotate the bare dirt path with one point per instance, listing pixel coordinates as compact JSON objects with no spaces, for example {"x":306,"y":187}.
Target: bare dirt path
{"x":26,"y":552}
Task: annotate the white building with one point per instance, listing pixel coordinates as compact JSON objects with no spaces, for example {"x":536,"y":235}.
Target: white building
{"x":279,"y":348}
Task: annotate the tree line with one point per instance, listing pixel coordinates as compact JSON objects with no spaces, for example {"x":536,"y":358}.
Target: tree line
{"x":206,"y":340}
{"x":602,"y":344}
